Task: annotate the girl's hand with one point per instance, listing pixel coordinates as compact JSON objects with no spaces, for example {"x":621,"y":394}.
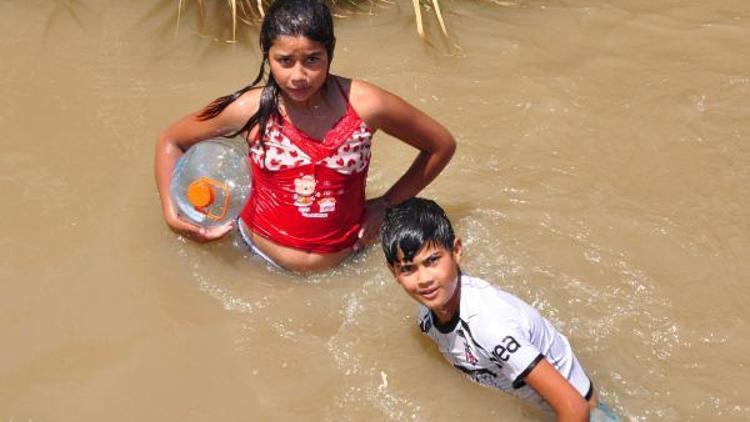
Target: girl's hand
{"x":180,"y":136}
{"x":194,"y":232}
{"x":374,"y":214}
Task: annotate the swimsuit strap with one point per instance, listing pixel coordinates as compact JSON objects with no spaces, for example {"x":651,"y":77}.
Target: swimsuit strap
{"x":341,"y":89}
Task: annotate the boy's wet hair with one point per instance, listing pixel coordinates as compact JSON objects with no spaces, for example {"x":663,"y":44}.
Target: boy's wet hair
{"x":412,"y":225}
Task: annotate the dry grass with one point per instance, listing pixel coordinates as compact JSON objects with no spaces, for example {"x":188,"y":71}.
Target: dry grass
{"x":251,"y":12}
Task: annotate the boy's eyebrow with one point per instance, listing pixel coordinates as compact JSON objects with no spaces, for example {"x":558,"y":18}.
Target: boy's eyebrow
{"x":401,"y":264}
{"x":432,"y":255}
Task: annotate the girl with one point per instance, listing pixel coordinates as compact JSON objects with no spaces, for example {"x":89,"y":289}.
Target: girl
{"x":309,"y":133}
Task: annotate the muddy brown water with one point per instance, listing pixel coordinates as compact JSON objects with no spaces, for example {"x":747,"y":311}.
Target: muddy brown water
{"x":602,"y":175}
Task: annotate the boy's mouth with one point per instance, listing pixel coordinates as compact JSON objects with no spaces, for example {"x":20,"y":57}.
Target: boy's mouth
{"x":429,"y":293}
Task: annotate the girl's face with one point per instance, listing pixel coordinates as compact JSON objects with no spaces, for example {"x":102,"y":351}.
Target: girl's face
{"x":300,"y":67}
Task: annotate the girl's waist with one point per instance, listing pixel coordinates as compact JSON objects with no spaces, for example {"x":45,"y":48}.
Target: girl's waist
{"x":294,"y":259}
{"x":306,"y":229}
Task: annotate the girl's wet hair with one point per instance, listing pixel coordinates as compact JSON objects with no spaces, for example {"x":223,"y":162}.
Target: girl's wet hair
{"x":308,"y":18}
{"x":413,"y":225}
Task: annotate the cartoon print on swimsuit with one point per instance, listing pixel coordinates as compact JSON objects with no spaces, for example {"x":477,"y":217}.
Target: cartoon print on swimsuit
{"x":327,"y":204}
{"x":304,"y":192}
{"x":305,"y":196}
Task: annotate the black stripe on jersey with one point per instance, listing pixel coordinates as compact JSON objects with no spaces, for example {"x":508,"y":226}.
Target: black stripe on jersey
{"x":520,"y":379}
{"x":590,"y":393}
{"x":471,"y":337}
{"x":426,"y":323}
{"x":447,"y":327}
{"x":466,"y":328}
{"x":474,"y":372}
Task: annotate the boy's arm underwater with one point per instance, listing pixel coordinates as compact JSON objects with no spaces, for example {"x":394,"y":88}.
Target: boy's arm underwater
{"x":564,"y":399}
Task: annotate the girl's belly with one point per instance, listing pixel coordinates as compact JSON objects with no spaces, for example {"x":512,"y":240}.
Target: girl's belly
{"x":297,"y":259}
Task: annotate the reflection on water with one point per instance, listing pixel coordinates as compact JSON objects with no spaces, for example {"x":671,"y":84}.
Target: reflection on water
{"x":601,"y":175}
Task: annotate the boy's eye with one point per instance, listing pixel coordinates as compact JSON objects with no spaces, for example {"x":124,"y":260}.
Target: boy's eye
{"x":313,"y":59}
{"x":406,"y":269}
{"x":432,"y":260}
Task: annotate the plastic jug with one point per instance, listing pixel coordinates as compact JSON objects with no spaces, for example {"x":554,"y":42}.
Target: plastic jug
{"x":211,"y":182}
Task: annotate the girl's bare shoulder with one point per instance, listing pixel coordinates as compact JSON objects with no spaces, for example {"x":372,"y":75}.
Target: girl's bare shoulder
{"x":378,"y":107}
{"x":369,"y":100}
{"x":247,"y":103}
{"x":366,"y":93}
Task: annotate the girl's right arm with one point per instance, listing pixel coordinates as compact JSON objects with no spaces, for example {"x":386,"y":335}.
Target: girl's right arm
{"x":177,"y":138}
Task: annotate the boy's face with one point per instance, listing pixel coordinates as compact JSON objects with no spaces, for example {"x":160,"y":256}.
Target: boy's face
{"x":432,"y":276}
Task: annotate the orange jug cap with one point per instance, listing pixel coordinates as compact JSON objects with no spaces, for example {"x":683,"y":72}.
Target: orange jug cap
{"x":200,"y":193}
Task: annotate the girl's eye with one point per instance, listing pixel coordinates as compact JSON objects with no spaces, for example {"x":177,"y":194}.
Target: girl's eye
{"x":313,"y":60}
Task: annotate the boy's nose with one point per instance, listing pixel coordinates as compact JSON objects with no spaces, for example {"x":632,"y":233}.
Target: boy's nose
{"x":424,"y":279}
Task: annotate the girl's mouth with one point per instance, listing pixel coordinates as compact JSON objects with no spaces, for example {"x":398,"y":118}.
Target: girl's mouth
{"x":298,"y":91}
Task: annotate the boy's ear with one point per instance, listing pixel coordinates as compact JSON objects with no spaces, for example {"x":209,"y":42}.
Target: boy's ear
{"x":458,"y":250}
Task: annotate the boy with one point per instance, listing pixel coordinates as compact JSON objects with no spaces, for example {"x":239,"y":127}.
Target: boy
{"x":495,"y":338}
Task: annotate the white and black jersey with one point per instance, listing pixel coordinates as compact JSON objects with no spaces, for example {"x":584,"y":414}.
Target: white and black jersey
{"x":496,"y":339}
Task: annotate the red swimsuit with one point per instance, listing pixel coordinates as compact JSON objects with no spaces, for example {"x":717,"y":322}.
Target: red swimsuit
{"x":307,"y":193}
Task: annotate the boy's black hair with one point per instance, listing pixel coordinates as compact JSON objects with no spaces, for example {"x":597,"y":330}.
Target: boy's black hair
{"x":412,"y":225}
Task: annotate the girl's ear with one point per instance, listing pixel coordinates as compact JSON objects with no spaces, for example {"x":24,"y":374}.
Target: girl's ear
{"x":458,"y":250}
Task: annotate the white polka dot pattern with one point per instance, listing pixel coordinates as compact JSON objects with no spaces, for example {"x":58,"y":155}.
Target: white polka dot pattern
{"x":354,"y":154}
{"x":280,"y":153}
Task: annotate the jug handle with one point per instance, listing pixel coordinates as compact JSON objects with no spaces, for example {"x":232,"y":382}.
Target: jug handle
{"x":225,"y":205}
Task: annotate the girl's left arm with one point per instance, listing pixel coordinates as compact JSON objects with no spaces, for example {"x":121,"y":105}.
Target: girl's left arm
{"x":385,"y":111}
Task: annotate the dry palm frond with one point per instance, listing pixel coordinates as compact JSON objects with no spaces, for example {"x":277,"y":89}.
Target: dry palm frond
{"x":418,"y":17}
{"x":439,"y":14}
{"x":179,"y":14}
{"x":233,"y":9}
{"x":250,"y":12}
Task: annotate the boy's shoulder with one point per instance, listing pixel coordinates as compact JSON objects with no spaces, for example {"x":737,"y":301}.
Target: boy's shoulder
{"x":482,"y":304}
{"x":480,"y":298}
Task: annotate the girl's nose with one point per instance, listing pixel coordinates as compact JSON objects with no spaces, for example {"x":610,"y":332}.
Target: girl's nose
{"x":299,"y":74}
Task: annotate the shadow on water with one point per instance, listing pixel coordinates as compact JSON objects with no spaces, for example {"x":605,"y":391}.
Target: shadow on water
{"x":65,"y":9}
